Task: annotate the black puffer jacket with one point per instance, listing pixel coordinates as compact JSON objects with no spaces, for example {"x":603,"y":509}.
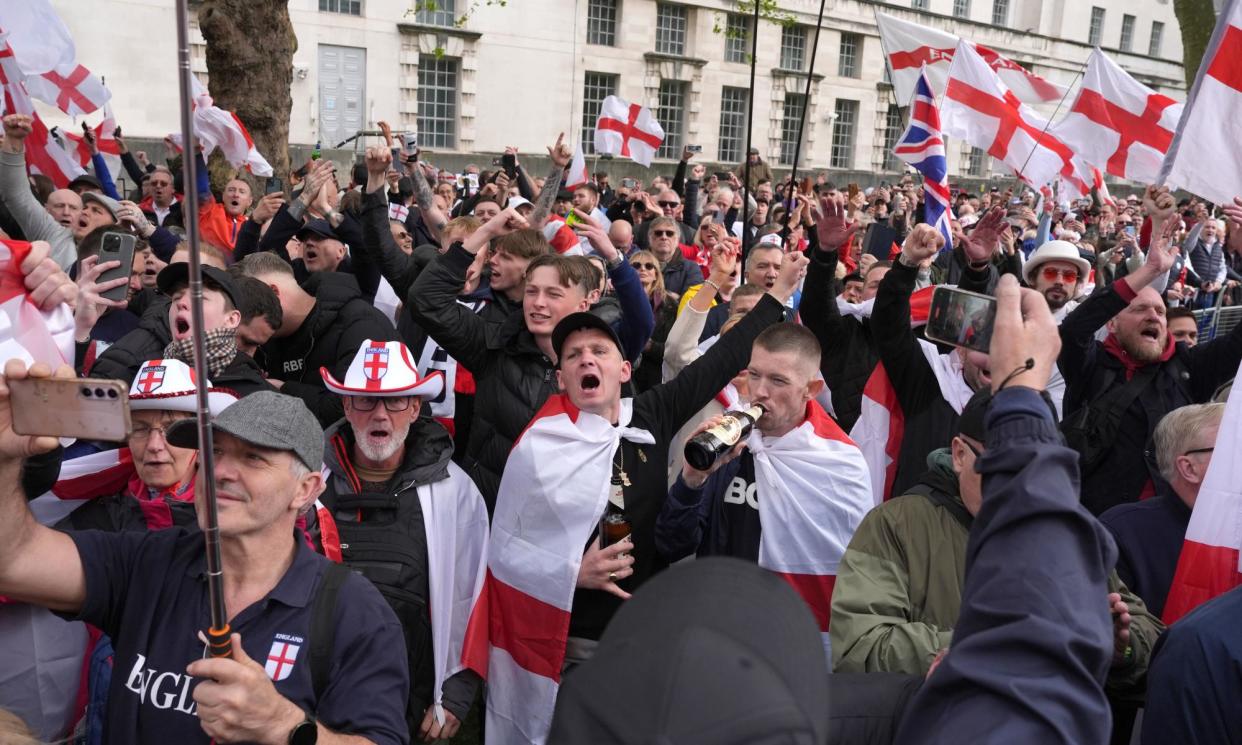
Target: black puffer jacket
{"x":329,"y":337}
{"x":147,"y":342}
{"x":849,"y":351}
{"x":512,"y":376}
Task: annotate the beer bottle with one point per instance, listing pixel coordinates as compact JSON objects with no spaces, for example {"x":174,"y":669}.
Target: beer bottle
{"x":316,"y":154}
{"x":703,"y":449}
{"x":614,"y":526}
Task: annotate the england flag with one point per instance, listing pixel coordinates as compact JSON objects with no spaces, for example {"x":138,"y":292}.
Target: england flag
{"x":922,"y":147}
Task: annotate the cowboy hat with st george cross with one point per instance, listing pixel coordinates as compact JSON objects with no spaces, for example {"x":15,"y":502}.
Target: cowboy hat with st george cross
{"x":384,"y":368}
{"x":168,"y":385}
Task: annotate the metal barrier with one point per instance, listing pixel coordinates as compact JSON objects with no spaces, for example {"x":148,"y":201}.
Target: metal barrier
{"x":1217,"y":321}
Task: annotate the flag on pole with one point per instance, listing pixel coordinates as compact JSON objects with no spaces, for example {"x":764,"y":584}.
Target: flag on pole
{"x":628,"y":130}
{"x":980,"y":109}
{"x":909,"y":46}
{"x":1209,"y":564}
{"x":71,"y":88}
{"x":1204,"y":158}
{"x":577,"y":169}
{"x":38,"y":35}
{"x":922,"y":147}
{"x":1119,"y":124}
{"x":42,"y":154}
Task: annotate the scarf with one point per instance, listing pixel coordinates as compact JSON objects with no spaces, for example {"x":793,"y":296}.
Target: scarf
{"x":1131,"y":365}
{"x":221,"y":346}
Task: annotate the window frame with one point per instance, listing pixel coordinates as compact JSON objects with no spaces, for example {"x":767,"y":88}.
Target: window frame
{"x":729,"y":143}
{"x":429,"y":134}
{"x":672,"y":116}
{"x":591,"y":107}
{"x":672,"y":40}
{"x":841,"y":155}
{"x":596,"y":23}
{"x":790,"y":35}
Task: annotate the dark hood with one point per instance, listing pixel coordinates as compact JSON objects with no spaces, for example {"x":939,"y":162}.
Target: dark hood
{"x":428,"y":450}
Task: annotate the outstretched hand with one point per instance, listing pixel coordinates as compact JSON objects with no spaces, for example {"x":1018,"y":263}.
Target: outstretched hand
{"x":834,"y":230}
{"x":982,"y":243}
{"x":560,"y":152}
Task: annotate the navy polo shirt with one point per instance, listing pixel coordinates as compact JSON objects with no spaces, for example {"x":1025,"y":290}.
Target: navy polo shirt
{"x":148,"y":591}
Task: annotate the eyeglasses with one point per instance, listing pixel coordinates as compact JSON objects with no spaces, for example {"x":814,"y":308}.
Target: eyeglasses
{"x":663,"y":233}
{"x":367,"y":403}
{"x":142,"y":433}
{"x":1198,"y":450}
{"x":1051,"y":274}
{"x":669,"y":205}
{"x":643,"y":265}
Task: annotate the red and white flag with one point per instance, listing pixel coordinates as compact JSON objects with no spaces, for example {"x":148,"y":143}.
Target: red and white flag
{"x":552,"y":494}
{"x":218,"y":128}
{"x":105,"y":140}
{"x":1119,"y":124}
{"x":814,"y":489}
{"x":979,"y":108}
{"x":42,"y":154}
{"x":39,"y":37}
{"x":1209,"y":564}
{"x":27,"y":333}
{"x":909,"y":45}
{"x":628,"y":130}
{"x":71,"y":88}
{"x":1204,"y":158}
{"x":577,"y":173}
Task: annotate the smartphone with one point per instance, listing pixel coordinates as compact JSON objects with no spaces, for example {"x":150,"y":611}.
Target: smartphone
{"x":878,"y":240}
{"x":722,"y":175}
{"x":694,"y":148}
{"x":509,"y":161}
{"x":629,"y":183}
{"x":409,"y":141}
{"x":82,"y":408}
{"x":961,"y":319}
{"x":1129,"y":230}
{"x":117,"y":247}
{"x":274,"y":185}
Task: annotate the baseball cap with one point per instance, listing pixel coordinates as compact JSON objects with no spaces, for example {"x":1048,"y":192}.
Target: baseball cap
{"x":106,"y":202}
{"x":319,"y":227}
{"x":177,"y":274}
{"x":85,"y":179}
{"x":771,"y":240}
{"x":715,"y":652}
{"x":577,"y":322}
{"x":268,"y":419}
{"x":515,"y":202}
{"x":973,"y":421}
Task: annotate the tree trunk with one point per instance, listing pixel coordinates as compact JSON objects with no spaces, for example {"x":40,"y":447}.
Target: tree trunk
{"x":250,"y":46}
{"x":1196,"y":18}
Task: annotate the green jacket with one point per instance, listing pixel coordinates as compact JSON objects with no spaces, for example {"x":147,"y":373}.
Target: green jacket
{"x":899,"y":585}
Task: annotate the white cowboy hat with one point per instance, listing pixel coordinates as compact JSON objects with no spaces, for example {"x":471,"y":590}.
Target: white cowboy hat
{"x":1056,"y":251}
{"x":386,"y":369}
{"x":168,"y":385}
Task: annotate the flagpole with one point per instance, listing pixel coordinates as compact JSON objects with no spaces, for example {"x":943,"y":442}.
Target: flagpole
{"x":218,"y":634}
{"x":1039,"y":141}
{"x":750,"y":121}
{"x":806,"y":106}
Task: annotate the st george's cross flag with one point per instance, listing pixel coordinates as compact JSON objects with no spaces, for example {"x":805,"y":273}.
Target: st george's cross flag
{"x":218,"y":128}
{"x":909,"y":46}
{"x":43,"y":154}
{"x":628,"y":130}
{"x":922,"y":147}
{"x":1118,"y":124}
{"x":1204,"y":158}
{"x":71,"y":88}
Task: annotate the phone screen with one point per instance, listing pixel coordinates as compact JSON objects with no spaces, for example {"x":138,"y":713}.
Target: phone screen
{"x":961,"y":319}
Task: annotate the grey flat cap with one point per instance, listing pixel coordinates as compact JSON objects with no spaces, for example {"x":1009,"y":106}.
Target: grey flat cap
{"x":267,"y":419}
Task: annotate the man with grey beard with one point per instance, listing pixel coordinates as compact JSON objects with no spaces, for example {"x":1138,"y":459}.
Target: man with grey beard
{"x":396,"y":509}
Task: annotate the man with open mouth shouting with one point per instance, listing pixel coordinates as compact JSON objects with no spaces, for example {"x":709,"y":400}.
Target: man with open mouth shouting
{"x":588,"y":454}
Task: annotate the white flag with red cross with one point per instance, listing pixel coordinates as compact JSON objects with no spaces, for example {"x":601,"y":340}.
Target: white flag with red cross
{"x":217,"y":128}
{"x":42,"y":154}
{"x":628,"y":130}
{"x":908,"y":46}
{"x":280,"y":659}
{"x":71,"y":88}
{"x":1119,"y":124}
{"x":577,"y":173}
{"x":1204,"y":158}
{"x":979,"y":108}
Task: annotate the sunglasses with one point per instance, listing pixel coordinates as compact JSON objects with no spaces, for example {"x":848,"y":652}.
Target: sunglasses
{"x":663,"y":233}
{"x":1052,"y":273}
{"x":643,"y":265}
{"x":669,"y":205}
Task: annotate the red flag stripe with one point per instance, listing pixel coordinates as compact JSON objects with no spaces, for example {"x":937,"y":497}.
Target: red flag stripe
{"x":533,"y":632}
{"x":1227,"y":64}
{"x":628,"y":130}
{"x":816,"y":591}
{"x":1142,"y":128}
{"x":1203,"y":572}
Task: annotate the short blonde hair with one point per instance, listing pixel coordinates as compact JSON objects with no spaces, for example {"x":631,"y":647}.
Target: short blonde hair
{"x":1178,"y":430}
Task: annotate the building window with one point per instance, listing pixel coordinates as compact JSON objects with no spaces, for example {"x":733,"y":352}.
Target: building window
{"x":976,"y":160}
{"x":793,"y":47}
{"x":732,"y":124}
{"x":602,"y":22}
{"x":843,"y":134}
{"x":670,"y":29}
{"x":791,"y":126}
{"x":1127,"y":33}
{"x":435,"y":12}
{"x":1000,"y":12}
{"x":1096,"y":32}
{"x":737,"y":38}
{"x":1157,"y":34}
{"x":961,"y":8}
{"x":596,"y":87}
{"x":670,"y":113}
{"x":920,"y":4}
{"x":847,"y":61}
{"x":892,"y":131}
{"x":437,"y":101}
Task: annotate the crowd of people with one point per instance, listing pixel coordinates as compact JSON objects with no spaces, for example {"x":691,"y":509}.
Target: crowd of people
{"x":450,"y":415}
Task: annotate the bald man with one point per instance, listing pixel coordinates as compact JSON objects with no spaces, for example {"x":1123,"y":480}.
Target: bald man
{"x":64,"y":206}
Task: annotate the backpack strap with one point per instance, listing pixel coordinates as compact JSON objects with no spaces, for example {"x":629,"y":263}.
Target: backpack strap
{"x":940,"y":499}
{"x":323,"y":625}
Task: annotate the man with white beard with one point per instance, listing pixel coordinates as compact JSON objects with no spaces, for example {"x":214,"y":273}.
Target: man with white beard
{"x":397,"y":510}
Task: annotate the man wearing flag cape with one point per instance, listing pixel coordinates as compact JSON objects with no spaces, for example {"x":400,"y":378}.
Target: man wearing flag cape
{"x":551,"y":588}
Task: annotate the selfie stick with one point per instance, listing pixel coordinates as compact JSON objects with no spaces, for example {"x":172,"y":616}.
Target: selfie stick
{"x":218,"y":635}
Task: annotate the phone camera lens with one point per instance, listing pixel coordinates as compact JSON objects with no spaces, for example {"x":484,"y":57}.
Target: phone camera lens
{"x":99,"y":392}
{"x":86,"y":392}
{"x":111,"y":393}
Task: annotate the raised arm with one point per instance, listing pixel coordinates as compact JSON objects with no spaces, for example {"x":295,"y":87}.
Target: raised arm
{"x":560,"y":156}
{"x":899,"y":350}
{"x":818,"y":309}
{"x":34,"y":220}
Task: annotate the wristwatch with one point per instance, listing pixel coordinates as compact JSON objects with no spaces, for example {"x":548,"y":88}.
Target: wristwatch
{"x":306,"y":733}
{"x":615,"y":261}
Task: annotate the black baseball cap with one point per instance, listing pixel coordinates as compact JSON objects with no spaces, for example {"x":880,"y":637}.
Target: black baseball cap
{"x":973,"y":421}
{"x":85,"y":179}
{"x":714,"y":652}
{"x":175,"y":275}
{"x":319,"y":227}
{"x":577,"y":322}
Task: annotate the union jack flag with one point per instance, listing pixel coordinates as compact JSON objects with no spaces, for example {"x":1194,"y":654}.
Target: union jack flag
{"x":922,"y":147}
